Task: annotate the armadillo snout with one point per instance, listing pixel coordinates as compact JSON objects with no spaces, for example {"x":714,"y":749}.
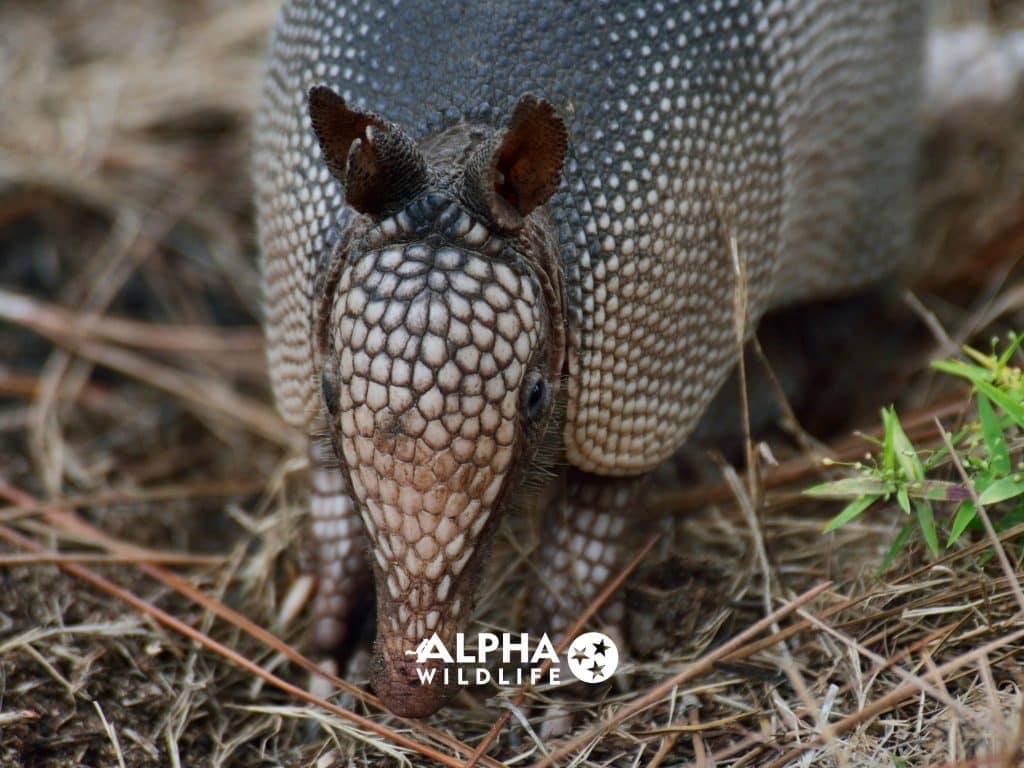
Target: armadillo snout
{"x":432,"y":349}
{"x":407,"y":688}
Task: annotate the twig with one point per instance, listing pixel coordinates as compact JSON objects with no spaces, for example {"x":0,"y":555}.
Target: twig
{"x":206,"y":395}
{"x":595,"y":605}
{"x":898,"y":695}
{"x":700,"y":667}
{"x":111,"y":734}
{"x":234,"y":657}
{"x":228,"y":487}
{"x":52,"y":320}
{"x":921,"y":684}
{"x":171,"y":580}
{"x":50,"y":558}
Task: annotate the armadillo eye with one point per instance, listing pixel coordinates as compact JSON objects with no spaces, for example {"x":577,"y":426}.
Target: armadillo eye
{"x":536,"y":394}
{"x":328,"y":390}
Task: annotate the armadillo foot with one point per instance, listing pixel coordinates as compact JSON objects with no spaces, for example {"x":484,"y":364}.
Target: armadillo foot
{"x":342,"y":573}
{"x":587,"y":540}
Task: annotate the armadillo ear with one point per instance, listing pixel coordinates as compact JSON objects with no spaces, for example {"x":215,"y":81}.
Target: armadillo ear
{"x":336,"y":127}
{"x":529,"y":159}
{"x":379,"y":165}
{"x":524,"y":167}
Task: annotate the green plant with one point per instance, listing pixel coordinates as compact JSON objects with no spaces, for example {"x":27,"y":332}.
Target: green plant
{"x":983,"y":447}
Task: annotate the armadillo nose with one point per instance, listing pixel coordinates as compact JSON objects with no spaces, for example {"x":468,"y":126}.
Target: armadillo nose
{"x":408,"y":688}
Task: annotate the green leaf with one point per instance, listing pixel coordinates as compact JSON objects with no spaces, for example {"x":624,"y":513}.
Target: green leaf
{"x":964,"y":515}
{"x":973,"y":373}
{"x":1004,"y":400}
{"x":848,"y":487}
{"x":888,"y":457}
{"x":992,"y":433}
{"x":926,"y":520}
{"x":850,"y":512}
{"x":1008,"y":352}
{"x":982,"y":381}
{"x":898,"y":543}
{"x":903,"y":499}
{"x":911,"y":465}
{"x":1002,"y":489}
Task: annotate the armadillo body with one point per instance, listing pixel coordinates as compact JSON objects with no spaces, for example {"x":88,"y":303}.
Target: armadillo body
{"x":716,"y":154}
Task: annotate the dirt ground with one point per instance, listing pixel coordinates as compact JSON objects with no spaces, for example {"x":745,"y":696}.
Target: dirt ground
{"x":151,"y":501}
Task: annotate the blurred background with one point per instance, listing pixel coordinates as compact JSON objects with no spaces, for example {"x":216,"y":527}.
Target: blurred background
{"x":131,"y":366}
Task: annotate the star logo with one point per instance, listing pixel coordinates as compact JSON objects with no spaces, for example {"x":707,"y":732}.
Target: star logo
{"x":593,"y":657}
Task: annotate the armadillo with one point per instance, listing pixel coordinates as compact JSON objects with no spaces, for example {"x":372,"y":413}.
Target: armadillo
{"x":501,"y":237}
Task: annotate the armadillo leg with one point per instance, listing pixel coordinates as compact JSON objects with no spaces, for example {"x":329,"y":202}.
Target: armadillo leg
{"x":586,"y":541}
{"x":342,"y":572}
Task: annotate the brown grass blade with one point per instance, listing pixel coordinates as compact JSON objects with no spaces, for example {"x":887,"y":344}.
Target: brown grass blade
{"x":209,"y":643}
{"x":595,"y":605}
{"x":662,"y":689}
{"x":71,"y":522}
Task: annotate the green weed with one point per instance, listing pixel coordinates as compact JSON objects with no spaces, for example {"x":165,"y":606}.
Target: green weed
{"x":986,"y":447}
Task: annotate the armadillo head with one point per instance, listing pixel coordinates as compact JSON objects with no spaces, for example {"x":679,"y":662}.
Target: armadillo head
{"x":442,"y":336}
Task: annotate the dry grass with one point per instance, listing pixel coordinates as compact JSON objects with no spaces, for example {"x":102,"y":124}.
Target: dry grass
{"x":151,"y":497}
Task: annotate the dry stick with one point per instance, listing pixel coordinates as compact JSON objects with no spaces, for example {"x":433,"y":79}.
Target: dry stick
{"x":595,"y":605}
{"x":52,"y":320}
{"x":799,"y":626}
{"x":670,"y":735}
{"x":698,"y":727}
{"x":740,"y":317}
{"x":751,"y":739}
{"x":795,"y":628}
{"x":137,"y":496}
{"x":931,"y":322}
{"x":898,"y":695}
{"x":49,"y":557}
{"x":825,"y":731}
{"x":750,"y":500}
{"x":203,"y":394}
{"x":698,"y":742}
{"x":1004,"y":561}
{"x":132,"y":239}
{"x":174,"y":582}
{"x":209,"y":643}
{"x":746,"y":502}
{"x":80,"y":533}
{"x":980,"y":593}
{"x":1007,"y":535}
{"x":669,"y":741}
{"x":183,"y":587}
{"x":920,"y":683}
{"x":704,"y":665}
{"x":788,"y":421}
{"x":27,"y":386}
{"x":941,"y":635}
